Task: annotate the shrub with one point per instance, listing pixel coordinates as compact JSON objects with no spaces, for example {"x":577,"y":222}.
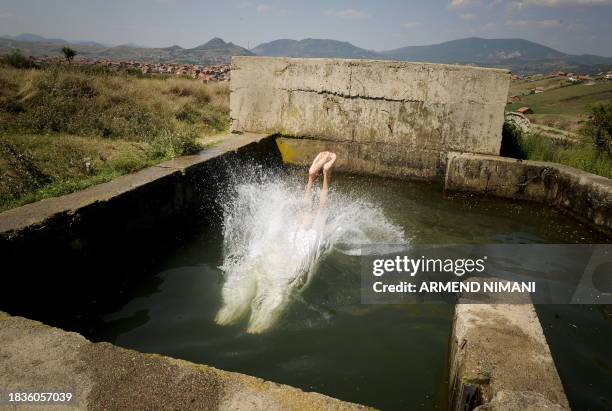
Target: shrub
{"x":599,"y":127}
{"x":172,"y":144}
{"x":18,"y":60}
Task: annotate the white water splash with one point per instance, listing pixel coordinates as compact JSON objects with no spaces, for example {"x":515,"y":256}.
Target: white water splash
{"x":269,"y":258}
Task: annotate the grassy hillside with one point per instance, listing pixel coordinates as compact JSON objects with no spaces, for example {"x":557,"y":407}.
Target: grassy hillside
{"x":62,"y":128}
{"x":566,"y":107}
{"x":522,"y":87}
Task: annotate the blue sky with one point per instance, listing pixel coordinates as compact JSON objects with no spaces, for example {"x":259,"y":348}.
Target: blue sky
{"x":572,"y":26}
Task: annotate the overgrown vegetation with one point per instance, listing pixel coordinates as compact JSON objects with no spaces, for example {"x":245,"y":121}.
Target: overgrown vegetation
{"x":63,"y":128}
{"x":592,"y":155}
{"x":17,"y":60}
{"x":599,"y":128}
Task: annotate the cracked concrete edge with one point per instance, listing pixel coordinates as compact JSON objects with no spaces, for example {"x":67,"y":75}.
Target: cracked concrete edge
{"x":37,"y":357}
{"x":500,"y":360}
{"x":585,"y":196}
{"x":36,"y":214}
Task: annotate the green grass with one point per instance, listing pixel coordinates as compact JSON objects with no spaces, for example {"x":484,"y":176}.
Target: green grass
{"x":65,"y":129}
{"x":520,"y":87}
{"x":583,"y":156}
{"x":573,"y":100}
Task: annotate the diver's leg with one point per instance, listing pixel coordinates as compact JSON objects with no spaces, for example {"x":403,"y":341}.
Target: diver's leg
{"x":313,"y":173}
{"x":327,"y":173}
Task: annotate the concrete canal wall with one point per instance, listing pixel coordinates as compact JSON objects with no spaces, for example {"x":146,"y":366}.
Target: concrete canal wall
{"x":587,"y":197}
{"x":378,"y":113}
{"x":499,"y":358}
{"x":35,"y":357}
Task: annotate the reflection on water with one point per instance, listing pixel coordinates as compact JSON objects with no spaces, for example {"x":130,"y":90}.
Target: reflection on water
{"x":392,"y":357}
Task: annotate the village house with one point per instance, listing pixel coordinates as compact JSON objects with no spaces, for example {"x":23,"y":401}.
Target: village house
{"x":524,"y":110}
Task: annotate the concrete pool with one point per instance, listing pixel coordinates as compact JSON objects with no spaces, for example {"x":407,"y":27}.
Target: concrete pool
{"x":134,"y":261}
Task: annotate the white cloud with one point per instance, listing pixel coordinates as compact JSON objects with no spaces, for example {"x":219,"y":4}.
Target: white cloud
{"x":458,"y":4}
{"x":245,"y":4}
{"x":410,"y":24}
{"x":488,"y":27}
{"x":264,"y":8}
{"x":534,"y":24}
{"x":467,"y":16}
{"x":576,"y":27}
{"x":347,"y":14}
{"x":519,"y":4}
{"x":5,"y":15}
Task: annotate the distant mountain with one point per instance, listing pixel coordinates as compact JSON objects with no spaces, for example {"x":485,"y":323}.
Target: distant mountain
{"x":35,"y":38}
{"x":91,"y":43}
{"x":475,"y":50}
{"x":216,"y":51}
{"x":519,"y":55}
{"x":313,"y":48}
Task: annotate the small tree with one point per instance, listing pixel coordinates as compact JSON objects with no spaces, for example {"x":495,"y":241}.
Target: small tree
{"x":599,"y":127}
{"x":68,"y":53}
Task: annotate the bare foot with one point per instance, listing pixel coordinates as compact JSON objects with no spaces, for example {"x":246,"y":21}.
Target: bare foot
{"x":329,"y":164}
{"x":318,"y":163}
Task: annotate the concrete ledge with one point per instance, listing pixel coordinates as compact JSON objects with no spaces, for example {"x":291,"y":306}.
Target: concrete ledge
{"x":41,"y":358}
{"x":367,"y":158}
{"x":585,"y":196}
{"x":499,"y":360}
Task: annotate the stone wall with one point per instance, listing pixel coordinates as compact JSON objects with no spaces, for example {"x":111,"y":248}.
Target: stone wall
{"x":585,"y":196}
{"x":411,"y":111}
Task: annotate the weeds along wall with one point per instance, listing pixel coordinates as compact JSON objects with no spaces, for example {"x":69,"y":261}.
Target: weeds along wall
{"x":383,"y":117}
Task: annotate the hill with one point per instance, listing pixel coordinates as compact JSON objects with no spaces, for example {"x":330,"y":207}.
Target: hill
{"x":313,"y":48}
{"x":475,"y":49}
{"x":35,"y":38}
{"x":518,"y":55}
{"x":216,"y":51}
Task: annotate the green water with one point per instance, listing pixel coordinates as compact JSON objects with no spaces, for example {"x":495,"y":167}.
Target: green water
{"x":390,"y":357}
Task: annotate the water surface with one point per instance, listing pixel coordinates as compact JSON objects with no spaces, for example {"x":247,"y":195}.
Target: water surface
{"x":390,"y":357}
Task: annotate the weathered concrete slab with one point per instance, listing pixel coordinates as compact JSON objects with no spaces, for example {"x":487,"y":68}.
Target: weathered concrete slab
{"x":585,"y":196}
{"x":36,"y":357}
{"x":418,"y":105}
{"x":499,"y":360}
